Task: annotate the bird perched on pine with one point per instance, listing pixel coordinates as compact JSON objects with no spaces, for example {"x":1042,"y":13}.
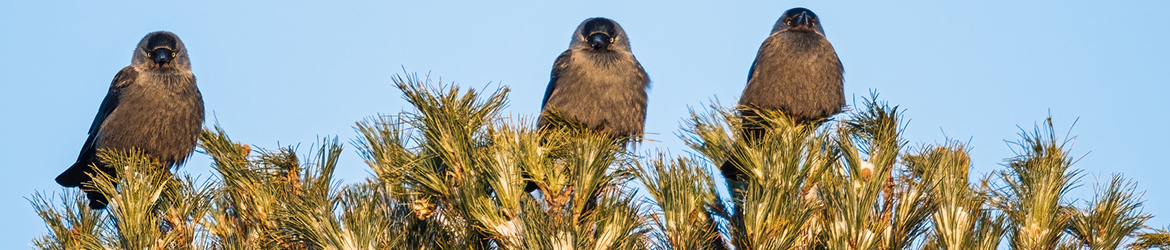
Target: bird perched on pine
{"x":598,"y":82}
{"x":153,"y":105}
{"x":797,"y":72}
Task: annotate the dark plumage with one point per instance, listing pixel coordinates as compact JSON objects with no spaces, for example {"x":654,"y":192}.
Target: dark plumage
{"x":152,"y":105}
{"x":598,"y":81}
{"x":796,"y":71}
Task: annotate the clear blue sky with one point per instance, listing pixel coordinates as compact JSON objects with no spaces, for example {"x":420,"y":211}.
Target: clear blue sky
{"x":286,"y":72}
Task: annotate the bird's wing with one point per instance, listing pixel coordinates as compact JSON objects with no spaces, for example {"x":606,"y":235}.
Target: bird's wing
{"x":124,"y":78}
{"x":642,"y":75}
{"x":752,"y":70}
{"x":559,"y":65}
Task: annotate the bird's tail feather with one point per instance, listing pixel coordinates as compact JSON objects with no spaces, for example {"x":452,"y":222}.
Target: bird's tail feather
{"x":96,"y":199}
{"x":75,"y":175}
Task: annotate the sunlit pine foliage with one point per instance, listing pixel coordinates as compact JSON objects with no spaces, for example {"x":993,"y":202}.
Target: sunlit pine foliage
{"x":451,"y":173}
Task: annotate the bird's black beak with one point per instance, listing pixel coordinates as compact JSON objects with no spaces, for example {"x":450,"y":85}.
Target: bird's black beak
{"x":804,"y":19}
{"x":161,"y":56}
{"x":599,"y":40}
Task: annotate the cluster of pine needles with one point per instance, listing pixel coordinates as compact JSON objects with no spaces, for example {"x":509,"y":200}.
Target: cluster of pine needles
{"x":452,"y":175}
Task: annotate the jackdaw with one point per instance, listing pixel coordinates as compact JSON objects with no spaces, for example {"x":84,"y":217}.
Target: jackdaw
{"x":152,"y":105}
{"x":796,"y":71}
{"x":598,"y":81}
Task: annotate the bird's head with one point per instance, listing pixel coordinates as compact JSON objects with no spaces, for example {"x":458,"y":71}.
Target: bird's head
{"x":799,"y":20}
{"x":161,"y":49}
{"x":600,"y":34}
